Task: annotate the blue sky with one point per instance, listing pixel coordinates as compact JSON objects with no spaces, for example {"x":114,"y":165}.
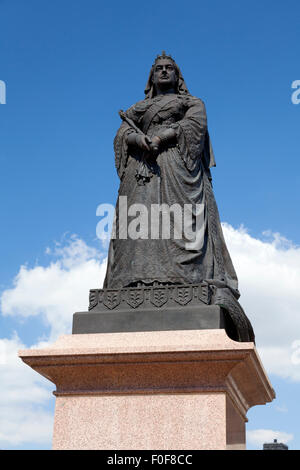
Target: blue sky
{"x":68,"y":68}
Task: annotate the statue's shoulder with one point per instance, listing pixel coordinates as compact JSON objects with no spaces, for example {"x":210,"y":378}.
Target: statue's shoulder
{"x":139,"y":106}
{"x":137,"y":109}
{"x":193,"y":100}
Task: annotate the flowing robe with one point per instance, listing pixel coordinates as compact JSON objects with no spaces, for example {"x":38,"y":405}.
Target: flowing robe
{"x":180,"y":175}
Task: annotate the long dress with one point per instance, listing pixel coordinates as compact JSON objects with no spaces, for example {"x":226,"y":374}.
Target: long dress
{"x":179,"y":175}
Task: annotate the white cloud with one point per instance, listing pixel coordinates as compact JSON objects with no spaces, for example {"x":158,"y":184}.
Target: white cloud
{"x":21,"y":426}
{"x":24,"y":398}
{"x":258,"y":437}
{"x":281,"y":409}
{"x":57,"y":291}
{"x":269,"y":281}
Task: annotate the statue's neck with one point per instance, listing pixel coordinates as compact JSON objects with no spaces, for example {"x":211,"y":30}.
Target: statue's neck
{"x":165,"y":92}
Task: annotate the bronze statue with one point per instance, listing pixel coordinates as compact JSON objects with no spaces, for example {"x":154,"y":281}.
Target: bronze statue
{"x":163,"y":155}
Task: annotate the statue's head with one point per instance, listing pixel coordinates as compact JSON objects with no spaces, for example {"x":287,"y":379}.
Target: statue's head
{"x":165,"y":75}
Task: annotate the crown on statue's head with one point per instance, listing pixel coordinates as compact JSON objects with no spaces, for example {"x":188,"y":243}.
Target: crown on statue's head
{"x":164,"y":56}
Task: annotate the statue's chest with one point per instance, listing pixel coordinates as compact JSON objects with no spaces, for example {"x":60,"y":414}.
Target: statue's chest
{"x":159,"y":113}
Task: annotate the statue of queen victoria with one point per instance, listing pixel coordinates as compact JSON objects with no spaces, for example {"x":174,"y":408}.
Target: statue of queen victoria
{"x":163,"y":157}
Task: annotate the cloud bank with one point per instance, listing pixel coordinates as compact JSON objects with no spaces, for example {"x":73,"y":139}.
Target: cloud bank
{"x":58,"y":290}
{"x":269,"y":278}
{"x":25,"y":397}
{"x":269,"y":275}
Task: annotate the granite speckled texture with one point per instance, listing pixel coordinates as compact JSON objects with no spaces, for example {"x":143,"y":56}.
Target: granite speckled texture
{"x":152,"y":390}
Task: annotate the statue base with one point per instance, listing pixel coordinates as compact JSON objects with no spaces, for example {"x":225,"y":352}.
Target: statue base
{"x":152,"y":308}
{"x":163,"y":390}
{"x":193,"y":318}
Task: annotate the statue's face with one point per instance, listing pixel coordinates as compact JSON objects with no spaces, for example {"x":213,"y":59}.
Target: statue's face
{"x":164,"y":75}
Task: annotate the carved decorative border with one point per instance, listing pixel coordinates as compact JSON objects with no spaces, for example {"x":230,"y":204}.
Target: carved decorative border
{"x":157,"y":296}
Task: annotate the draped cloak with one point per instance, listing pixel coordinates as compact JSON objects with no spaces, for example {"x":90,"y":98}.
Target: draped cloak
{"x":180,"y":175}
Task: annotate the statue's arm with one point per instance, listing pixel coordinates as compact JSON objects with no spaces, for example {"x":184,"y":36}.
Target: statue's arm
{"x":128,"y":139}
{"x":121,"y":148}
{"x":191,"y":132}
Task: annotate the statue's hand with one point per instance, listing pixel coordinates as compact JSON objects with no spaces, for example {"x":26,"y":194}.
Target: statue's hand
{"x":155,"y":145}
{"x":139,"y":140}
{"x":143,"y":142}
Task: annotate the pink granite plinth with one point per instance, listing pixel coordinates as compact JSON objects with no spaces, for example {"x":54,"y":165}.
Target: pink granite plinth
{"x":163,"y":390}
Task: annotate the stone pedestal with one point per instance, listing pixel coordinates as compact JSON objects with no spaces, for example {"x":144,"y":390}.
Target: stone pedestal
{"x":162,"y":390}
